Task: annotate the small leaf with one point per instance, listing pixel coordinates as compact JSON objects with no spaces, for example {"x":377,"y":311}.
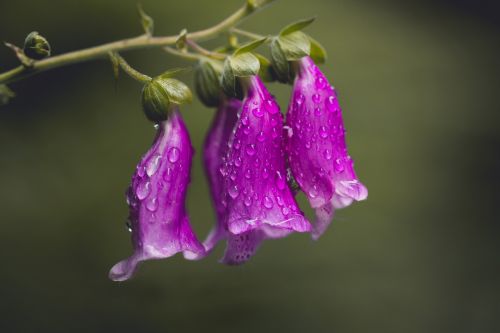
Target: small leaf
{"x":243,"y":65}
{"x":173,"y":72}
{"x":250,"y":46}
{"x":296,"y":26}
{"x":146,"y":21}
{"x":318,"y":52}
{"x":266,"y":70}
{"x":181,"y":41}
{"x":280,"y":63}
{"x":5,"y":94}
{"x":295,"y":45}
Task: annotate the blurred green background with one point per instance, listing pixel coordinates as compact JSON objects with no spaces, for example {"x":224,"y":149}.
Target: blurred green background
{"x":419,"y":84}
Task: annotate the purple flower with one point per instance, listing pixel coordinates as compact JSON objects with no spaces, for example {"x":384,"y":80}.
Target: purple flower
{"x":316,"y":146}
{"x":156,"y":198}
{"x":256,"y":200}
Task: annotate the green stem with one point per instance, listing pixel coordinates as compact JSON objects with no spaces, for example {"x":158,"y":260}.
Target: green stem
{"x":247,"y":34}
{"x":139,"y":42}
{"x":136,"y":75}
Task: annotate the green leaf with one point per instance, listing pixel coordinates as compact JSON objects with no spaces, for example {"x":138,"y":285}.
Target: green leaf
{"x":243,"y":65}
{"x":173,"y":72}
{"x":181,"y":41}
{"x":296,"y":26}
{"x":146,"y":21}
{"x":5,"y":94}
{"x":295,"y":45}
{"x":318,"y":52}
{"x":250,"y":46}
{"x":279,"y":61}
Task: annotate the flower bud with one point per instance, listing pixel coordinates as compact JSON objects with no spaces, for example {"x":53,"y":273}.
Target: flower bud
{"x":207,"y":83}
{"x":36,"y":46}
{"x":161,"y":94}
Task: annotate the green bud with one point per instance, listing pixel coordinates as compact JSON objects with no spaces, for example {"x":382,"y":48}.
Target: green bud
{"x":161,"y":94}
{"x":207,"y":82}
{"x":36,"y":46}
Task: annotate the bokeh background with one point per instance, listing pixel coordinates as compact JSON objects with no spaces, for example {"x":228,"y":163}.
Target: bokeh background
{"x":419,"y":83}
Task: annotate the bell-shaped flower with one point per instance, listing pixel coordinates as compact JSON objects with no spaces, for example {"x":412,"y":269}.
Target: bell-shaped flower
{"x":316,"y":148}
{"x":156,"y":198}
{"x":256,"y":198}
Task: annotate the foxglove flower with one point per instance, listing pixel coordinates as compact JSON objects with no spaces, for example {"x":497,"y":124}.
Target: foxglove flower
{"x":156,"y":198}
{"x":257,"y":202}
{"x":317,"y":150}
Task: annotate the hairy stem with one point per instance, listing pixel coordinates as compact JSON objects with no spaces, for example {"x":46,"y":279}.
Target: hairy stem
{"x":140,"y":42}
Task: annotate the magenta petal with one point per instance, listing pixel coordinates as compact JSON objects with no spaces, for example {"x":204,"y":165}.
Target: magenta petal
{"x":156,"y":198}
{"x":316,"y":148}
{"x":256,"y":190}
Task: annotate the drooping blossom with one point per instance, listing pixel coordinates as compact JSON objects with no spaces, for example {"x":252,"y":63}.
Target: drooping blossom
{"x":317,"y":150}
{"x":158,"y":219}
{"x":256,"y":200}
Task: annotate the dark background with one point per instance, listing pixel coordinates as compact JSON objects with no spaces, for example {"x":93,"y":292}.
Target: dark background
{"x":419,"y":83}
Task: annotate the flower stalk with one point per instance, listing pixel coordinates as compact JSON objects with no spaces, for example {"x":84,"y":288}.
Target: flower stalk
{"x":139,"y":42}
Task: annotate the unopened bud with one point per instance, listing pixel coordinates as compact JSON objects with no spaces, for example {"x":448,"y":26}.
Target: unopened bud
{"x":36,"y":46}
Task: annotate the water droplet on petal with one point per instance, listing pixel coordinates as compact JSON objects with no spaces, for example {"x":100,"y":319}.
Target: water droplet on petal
{"x":173,"y":154}
{"x":316,"y":98}
{"x":271,"y":107}
{"x":300,"y":99}
{"x":140,"y":171}
{"x":280,"y":181}
{"x":248,"y":201}
{"x":153,"y":165}
{"x":330,"y":102}
{"x":245,"y":120}
{"x":313,"y":193}
{"x":142,"y":190}
{"x":250,"y":149}
{"x":339,"y":166}
{"x":285,"y":210}
{"x":233,"y":191}
{"x":248,"y":174}
{"x":268,"y":202}
{"x":152,"y":204}
{"x":258,"y":112}
{"x":246,"y":130}
{"x":327,"y":154}
{"x":320,"y":82}
{"x":279,"y":200}
{"x":323,"y":132}
{"x":237,"y":162}
{"x":261,"y":137}
{"x":265,"y":173}
{"x":237,"y":144}
{"x":317,"y":111}
{"x":167,"y":176}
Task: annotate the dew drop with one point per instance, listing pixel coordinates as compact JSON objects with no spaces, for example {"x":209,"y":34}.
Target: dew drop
{"x":268,"y":202}
{"x":320,"y":82}
{"x":248,"y":174}
{"x":153,"y":165}
{"x":327,"y":154}
{"x":316,"y":98}
{"x":279,"y":200}
{"x":323,"y":132}
{"x":265,"y":173}
{"x":300,"y":99}
{"x":248,"y":201}
{"x":237,"y":144}
{"x":246,"y":130}
{"x":317,"y":111}
{"x":258,"y":112}
{"x":142,"y":190}
{"x":250,"y":149}
{"x":271,"y":107}
{"x":261,"y":137}
{"x":330,"y":102}
{"x":140,"y":171}
{"x":313,"y":193}
{"x":173,"y":154}
{"x":237,"y":162}
{"x":152,"y":204}
{"x":339,"y":166}
{"x":245,"y":120}
{"x":233,"y":191}
{"x":280,"y":181}
{"x":285,"y":210}
{"x":167,"y":176}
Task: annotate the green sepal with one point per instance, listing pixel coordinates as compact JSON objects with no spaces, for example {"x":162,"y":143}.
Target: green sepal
{"x":281,"y":67}
{"x":318,"y":52}
{"x":5,"y":94}
{"x":250,"y":46}
{"x":296,"y":26}
{"x":207,"y":83}
{"x":146,"y":21}
{"x":266,"y":71}
{"x":181,"y":41}
{"x":295,"y":45}
{"x":36,"y":46}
